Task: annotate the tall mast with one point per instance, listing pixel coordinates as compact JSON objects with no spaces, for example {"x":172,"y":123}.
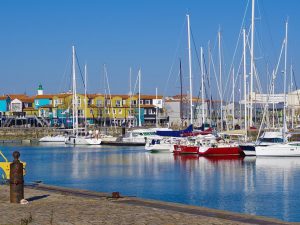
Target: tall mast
{"x":181,"y":109}
{"x":202,"y":85}
{"x":75,"y":110}
{"x":139,"y":75}
{"x":285,"y":70}
{"x":245,"y":80}
{"x":85,"y":99}
{"x":233,"y":98}
{"x":291,"y":89}
{"x":190,"y":68}
{"x":209,"y":80}
{"x":273,"y":95}
{"x":156,"y":113}
{"x":220,"y":68}
{"x":130,"y":95}
{"x":252,"y":62}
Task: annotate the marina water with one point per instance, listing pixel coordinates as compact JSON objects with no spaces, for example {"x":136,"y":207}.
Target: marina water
{"x":257,"y":186}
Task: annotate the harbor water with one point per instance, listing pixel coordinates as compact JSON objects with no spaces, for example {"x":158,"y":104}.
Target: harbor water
{"x":257,"y":186}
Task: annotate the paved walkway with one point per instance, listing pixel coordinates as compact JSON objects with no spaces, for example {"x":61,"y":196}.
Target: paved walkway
{"x":53,"y":205}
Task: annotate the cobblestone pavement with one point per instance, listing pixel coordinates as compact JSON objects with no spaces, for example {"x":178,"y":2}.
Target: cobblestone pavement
{"x":47,"y":207}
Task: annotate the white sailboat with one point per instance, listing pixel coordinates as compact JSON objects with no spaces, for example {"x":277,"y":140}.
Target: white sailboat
{"x":75,"y":138}
{"x":286,"y":148}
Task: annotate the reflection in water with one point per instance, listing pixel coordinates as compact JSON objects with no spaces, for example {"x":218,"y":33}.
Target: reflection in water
{"x":262,"y":186}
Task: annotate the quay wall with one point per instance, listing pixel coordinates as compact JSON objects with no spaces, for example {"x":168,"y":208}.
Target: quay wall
{"x":34,"y":133}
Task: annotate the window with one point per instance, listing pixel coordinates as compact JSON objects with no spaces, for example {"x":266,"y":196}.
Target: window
{"x":55,"y":101}
{"x":107,"y":101}
{"x":37,"y":102}
{"x":118,"y":103}
{"x":133,"y":102}
{"x":120,"y":111}
{"x":145,"y":112}
{"x":114,"y":111}
{"x":152,"y":112}
{"x":98,"y":103}
{"x":80,"y":113}
{"x":124,"y":102}
{"x":147,"y":102}
{"x":141,"y":102}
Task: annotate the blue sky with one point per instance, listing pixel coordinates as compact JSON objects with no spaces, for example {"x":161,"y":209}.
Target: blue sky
{"x":36,"y":39}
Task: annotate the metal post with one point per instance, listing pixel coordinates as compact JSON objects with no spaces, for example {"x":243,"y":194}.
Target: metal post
{"x":16,"y":179}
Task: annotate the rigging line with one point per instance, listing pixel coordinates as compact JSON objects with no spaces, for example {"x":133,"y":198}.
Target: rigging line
{"x":215,"y":73}
{"x":238,"y":40}
{"x":65,"y":78}
{"x":294,"y":78}
{"x":174,"y":58}
{"x":80,"y":71}
{"x":267,"y":25}
{"x":236,"y":80}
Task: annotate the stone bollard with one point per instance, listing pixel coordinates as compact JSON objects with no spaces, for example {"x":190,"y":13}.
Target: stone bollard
{"x":16,"y":179}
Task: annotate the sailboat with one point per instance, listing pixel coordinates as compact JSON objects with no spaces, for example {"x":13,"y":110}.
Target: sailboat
{"x":75,"y":138}
{"x":285,"y":148}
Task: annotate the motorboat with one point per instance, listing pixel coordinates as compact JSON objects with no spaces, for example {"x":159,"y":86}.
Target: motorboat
{"x":279,"y":149}
{"x":139,"y":136}
{"x":161,"y":144}
{"x":55,"y":138}
{"x":268,"y":138}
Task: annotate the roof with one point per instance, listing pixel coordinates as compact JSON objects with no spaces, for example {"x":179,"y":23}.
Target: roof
{"x":49,"y":96}
{"x":4,"y":97}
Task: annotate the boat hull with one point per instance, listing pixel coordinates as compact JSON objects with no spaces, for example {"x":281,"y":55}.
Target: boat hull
{"x":278,"y":150}
{"x":58,"y":139}
{"x":220,"y":151}
{"x":185,"y":149}
{"x":248,"y":149}
{"x":82,"y":141}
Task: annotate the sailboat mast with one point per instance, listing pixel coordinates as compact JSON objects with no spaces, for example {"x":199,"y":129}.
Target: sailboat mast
{"x":181,"y":109}
{"x":156,"y":113}
{"x":190,"y":68}
{"x":245,"y":81}
{"x":130,"y":95}
{"x":252,"y":62}
{"x":285,"y":70}
{"x":75,"y":111}
{"x":202,"y":85}
{"x":139,"y":75}
{"x":85,"y":99}
{"x":209,"y":80}
{"x":220,"y":68}
{"x":233,"y":98}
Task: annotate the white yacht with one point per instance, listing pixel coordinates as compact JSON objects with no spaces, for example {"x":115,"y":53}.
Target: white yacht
{"x":280,"y":149}
{"x":161,"y":144}
{"x":56,"y":139}
{"x":139,"y":136}
{"x":82,"y":140}
{"x":268,"y":138}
